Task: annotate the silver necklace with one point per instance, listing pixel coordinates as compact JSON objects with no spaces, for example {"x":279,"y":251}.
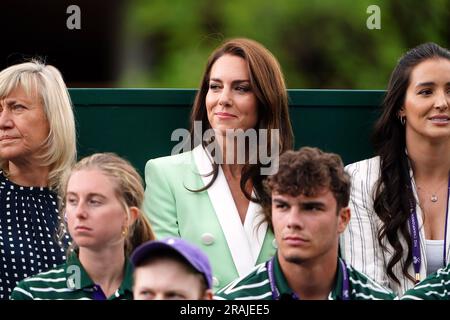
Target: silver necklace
{"x":433,"y":197}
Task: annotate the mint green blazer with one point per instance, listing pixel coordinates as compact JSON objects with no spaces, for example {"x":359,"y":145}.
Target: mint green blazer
{"x":208,"y":219}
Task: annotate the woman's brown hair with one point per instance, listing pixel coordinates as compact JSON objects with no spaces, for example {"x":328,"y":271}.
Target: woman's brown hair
{"x":267,"y":82}
{"x":393,"y":193}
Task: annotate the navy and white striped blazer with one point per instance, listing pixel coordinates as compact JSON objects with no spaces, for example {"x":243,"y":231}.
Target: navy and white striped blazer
{"x":359,"y":243}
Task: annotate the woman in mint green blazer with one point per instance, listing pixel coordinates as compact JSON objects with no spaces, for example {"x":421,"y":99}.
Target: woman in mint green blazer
{"x":211,"y":195}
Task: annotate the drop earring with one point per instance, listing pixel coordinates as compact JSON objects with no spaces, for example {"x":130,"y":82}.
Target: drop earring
{"x":124,"y":231}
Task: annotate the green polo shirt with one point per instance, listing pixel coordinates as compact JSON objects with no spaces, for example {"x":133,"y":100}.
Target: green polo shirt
{"x":256,"y":286}
{"x":69,"y":281}
{"x":434,"y":287}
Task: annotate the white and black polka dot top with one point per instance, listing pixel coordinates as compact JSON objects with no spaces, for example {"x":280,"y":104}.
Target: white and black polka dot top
{"x":28,"y":226}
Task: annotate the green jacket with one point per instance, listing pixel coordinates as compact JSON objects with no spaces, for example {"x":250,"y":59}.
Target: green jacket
{"x":69,"y":281}
{"x":434,"y":287}
{"x":256,"y":286}
{"x":209,"y":218}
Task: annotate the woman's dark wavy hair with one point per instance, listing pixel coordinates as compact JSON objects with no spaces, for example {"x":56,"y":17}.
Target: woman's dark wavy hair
{"x":391,"y":202}
{"x":267,"y":82}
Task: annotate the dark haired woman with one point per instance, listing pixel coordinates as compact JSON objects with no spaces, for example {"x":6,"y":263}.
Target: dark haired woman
{"x":400,"y":226}
{"x":206,"y":197}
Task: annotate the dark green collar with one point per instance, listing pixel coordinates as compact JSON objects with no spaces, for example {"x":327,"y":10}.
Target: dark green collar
{"x":280,"y":280}
{"x":283,"y":286}
{"x":336,"y":292}
{"x":78,"y":278}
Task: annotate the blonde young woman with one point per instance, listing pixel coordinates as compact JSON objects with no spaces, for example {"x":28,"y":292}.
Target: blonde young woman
{"x":102,"y":196}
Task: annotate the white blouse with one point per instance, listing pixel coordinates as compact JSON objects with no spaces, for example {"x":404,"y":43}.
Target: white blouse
{"x":435,"y":249}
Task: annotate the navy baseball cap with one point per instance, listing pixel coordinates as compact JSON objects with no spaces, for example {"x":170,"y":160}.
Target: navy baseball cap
{"x":194,"y":256}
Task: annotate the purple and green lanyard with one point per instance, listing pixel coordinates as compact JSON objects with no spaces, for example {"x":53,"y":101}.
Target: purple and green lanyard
{"x":414,"y":227}
{"x":276,"y":293}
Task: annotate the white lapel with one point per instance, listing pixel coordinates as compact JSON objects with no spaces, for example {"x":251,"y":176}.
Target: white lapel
{"x":255,"y":228}
{"x":244,"y":242}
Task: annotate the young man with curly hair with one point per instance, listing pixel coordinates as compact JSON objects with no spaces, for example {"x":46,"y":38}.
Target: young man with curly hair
{"x":308,"y":212}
